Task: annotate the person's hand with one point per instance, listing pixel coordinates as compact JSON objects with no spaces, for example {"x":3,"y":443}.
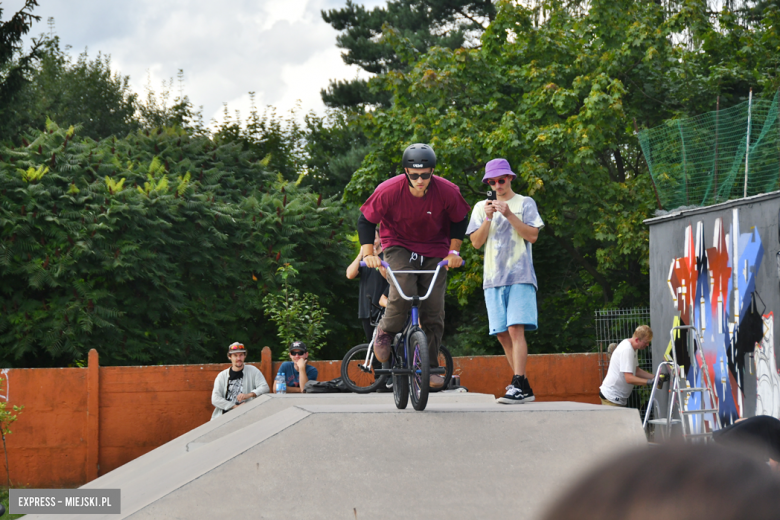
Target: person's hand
{"x":453,"y":260}
{"x":383,"y":301}
{"x":300,"y":363}
{"x":244,"y":397}
{"x":372,"y":261}
{"x":501,"y":207}
{"x":490,"y":208}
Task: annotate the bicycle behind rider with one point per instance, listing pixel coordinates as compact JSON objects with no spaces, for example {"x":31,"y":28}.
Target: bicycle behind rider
{"x":423,"y":220}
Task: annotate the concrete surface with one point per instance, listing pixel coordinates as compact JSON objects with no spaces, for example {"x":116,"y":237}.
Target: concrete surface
{"x":320,"y":458}
{"x":243,"y":416}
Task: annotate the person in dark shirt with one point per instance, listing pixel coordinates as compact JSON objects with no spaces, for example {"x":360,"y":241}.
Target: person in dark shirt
{"x":373,"y":286}
{"x":759,"y":436}
{"x":297,"y":372}
{"x":423,"y":220}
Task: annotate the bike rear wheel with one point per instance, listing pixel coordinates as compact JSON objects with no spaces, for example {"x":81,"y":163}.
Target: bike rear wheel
{"x":401,"y":391}
{"x":445,"y":360}
{"x":420,"y":379}
{"x":358,"y":377}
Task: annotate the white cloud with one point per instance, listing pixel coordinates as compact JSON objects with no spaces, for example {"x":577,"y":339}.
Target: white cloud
{"x":288,"y":10}
{"x":280,"y":49}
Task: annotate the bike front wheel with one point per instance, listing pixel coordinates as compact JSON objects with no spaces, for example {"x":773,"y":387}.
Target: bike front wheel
{"x":400,"y":381}
{"x":420,"y":379}
{"x":356,"y":374}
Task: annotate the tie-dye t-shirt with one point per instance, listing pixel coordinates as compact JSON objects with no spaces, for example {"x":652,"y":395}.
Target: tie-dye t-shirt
{"x":508,"y":258}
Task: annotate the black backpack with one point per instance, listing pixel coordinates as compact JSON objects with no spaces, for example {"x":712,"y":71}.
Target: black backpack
{"x":325,"y":387}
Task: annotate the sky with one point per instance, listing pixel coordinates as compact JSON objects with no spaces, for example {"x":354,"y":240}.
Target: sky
{"x":280,"y":49}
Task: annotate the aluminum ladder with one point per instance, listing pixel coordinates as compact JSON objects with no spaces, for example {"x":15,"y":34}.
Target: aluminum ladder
{"x":680,"y":395}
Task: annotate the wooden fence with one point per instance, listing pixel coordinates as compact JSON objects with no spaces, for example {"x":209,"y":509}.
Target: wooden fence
{"x":79,"y":423}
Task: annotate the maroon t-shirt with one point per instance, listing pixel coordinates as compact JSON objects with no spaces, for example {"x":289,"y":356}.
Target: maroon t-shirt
{"x":421,"y":225}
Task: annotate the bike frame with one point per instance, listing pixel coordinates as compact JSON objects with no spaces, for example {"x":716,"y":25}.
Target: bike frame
{"x":413,"y":323}
{"x":366,"y":367}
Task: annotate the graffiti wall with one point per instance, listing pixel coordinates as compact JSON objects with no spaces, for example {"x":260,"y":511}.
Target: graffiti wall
{"x":714,"y":268}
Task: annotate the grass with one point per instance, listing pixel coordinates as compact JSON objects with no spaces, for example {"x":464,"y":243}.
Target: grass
{"x":4,"y":501}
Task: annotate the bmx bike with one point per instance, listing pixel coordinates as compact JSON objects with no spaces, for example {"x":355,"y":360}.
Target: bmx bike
{"x":409,"y":362}
{"x":359,"y":365}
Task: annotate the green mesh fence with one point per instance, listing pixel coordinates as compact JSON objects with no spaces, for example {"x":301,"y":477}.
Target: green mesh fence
{"x":701,"y":160}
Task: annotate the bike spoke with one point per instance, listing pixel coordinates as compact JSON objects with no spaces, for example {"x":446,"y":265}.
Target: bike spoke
{"x":417,"y":371}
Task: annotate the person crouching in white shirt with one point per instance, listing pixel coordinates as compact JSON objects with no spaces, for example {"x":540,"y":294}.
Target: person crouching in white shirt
{"x":623,"y":374}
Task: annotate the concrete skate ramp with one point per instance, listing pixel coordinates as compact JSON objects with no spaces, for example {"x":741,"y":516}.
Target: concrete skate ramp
{"x":461,"y":460}
{"x":245,"y":415}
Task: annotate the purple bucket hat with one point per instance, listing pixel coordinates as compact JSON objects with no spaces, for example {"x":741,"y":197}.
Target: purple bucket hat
{"x":497,"y":168}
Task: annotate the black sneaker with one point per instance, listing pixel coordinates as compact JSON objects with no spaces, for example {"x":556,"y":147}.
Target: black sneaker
{"x":527,"y":391}
{"x":518,"y":395}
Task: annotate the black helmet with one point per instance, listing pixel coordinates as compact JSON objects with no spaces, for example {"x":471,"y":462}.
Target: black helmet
{"x":419,"y":155}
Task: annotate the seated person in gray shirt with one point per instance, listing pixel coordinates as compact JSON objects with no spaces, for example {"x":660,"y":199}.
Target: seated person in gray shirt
{"x":238,"y":384}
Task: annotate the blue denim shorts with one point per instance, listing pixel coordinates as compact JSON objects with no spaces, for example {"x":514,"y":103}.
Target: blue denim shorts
{"x":511,"y":305}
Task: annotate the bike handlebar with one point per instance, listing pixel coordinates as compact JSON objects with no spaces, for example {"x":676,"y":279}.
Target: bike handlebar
{"x":384,"y":264}
{"x":443,"y":263}
{"x":390,"y":272}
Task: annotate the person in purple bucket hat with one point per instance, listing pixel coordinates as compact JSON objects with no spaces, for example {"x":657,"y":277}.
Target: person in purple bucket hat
{"x":507,"y":227}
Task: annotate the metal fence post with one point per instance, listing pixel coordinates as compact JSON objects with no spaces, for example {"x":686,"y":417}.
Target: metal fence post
{"x":747,"y":145}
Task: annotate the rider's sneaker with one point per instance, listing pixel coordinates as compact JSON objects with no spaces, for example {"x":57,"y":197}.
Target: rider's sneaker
{"x":382,"y":345}
{"x":436,"y":382}
{"x":383,"y":389}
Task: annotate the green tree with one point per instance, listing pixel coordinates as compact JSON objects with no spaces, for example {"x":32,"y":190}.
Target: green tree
{"x":321,"y":152}
{"x":157,"y":109}
{"x":280,"y":141}
{"x":157,"y":247}
{"x":14,"y":64}
{"x":425,"y":23}
{"x":335,"y":148}
{"x":83,"y":92}
{"x":555,"y":89}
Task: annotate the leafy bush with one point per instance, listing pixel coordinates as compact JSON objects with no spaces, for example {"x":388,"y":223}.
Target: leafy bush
{"x":298,"y":318}
{"x":155,"y":248}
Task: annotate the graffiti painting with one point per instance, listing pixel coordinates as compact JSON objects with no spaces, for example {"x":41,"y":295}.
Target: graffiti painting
{"x":713,"y":289}
{"x":767,"y":378}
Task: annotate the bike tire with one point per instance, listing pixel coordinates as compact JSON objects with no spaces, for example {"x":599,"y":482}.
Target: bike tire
{"x":445,"y":360}
{"x":401,"y":391}
{"x":419,"y":381}
{"x":400,"y":381}
{"x":356,"y":379}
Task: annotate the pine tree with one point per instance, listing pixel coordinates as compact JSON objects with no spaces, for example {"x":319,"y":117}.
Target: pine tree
{"x":15,"y":65}
{"x":426,"y":23}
